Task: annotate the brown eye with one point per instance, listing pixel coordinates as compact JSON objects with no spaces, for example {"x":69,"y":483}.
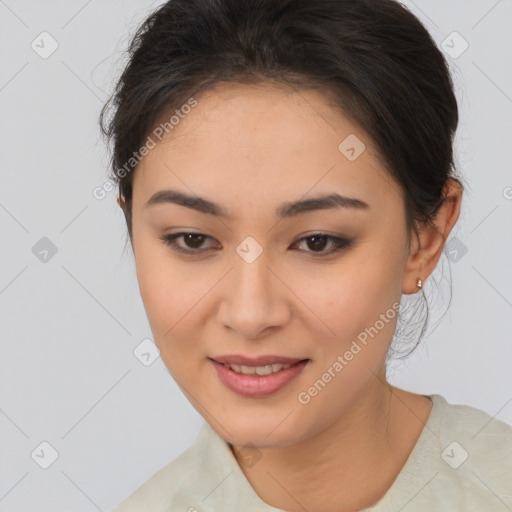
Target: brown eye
{"x":193,"y":242}
{"x":318,"y":241}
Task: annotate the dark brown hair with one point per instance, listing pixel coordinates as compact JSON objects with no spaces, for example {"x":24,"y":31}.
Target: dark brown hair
{"x":375,"y":56}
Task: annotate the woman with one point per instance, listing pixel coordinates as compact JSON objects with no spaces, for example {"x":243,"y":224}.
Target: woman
{"x":286,"y":172}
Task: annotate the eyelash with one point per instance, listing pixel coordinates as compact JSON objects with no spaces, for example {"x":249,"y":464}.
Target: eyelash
{"x":339,"y":243}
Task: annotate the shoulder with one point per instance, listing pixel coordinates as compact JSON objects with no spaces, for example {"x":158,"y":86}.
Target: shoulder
{"x":465,"y":417}
{"x":206,"y":470}
{"x":484,"y":438}
{"x":154,"y":494}
{"x":471,"y":466}
{"x":461,"y":461}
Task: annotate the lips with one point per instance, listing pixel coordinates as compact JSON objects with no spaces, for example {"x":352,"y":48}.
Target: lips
{"x":256,"y":361}
{"x":257,"y":386}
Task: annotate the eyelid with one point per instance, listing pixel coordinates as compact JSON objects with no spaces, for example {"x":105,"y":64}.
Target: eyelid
{"x":339,"y":243}
{"x":170,"y":241}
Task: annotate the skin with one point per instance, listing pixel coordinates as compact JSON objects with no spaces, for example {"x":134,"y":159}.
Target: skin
{"x":249,"y":148}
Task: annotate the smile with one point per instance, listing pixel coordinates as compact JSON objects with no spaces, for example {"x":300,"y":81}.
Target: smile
{"x":257,"y":370}
{"x":258,"y":381}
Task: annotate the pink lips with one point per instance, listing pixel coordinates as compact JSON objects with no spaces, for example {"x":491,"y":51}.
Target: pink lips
{"x":256,"y":361}
{"x":253,"y":385}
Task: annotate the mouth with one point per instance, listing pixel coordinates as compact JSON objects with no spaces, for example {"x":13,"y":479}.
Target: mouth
{"x":257,"y":377}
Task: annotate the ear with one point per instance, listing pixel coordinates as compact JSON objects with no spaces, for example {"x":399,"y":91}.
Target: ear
{"x":121,"y":201}
{"x":427,"y":246}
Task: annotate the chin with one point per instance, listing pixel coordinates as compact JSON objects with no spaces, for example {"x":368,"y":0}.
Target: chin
{"x":270,"y":432}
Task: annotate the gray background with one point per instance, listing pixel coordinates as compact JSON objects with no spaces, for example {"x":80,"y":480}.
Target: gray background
{"x":71,"y":321}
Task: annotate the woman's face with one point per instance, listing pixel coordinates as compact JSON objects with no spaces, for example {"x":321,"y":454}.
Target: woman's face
{"x":257,"y":282}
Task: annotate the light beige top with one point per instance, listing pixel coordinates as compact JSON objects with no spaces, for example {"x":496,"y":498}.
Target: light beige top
{"x":462,"y":462}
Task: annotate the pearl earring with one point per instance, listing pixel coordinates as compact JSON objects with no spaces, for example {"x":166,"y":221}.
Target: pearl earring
{"x":419,"y":283}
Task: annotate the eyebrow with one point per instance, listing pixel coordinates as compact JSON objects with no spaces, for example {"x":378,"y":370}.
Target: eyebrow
{"x":285,"y":210}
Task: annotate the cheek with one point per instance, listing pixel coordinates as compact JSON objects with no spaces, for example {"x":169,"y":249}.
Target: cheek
{"x":158,"y":286}
{"x":357,"y":304}
{"x":170,"y":314}
{"x":174,"y":295}
{"x":347,"y":297}
{"x":166,"y":289}
{"x":355,"y":301}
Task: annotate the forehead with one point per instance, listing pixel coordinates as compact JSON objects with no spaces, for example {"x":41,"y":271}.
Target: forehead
{"x":253,"y":115}
{"x":261,"y":140}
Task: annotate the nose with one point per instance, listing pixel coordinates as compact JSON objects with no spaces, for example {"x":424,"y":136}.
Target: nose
{"x":254,"y":299}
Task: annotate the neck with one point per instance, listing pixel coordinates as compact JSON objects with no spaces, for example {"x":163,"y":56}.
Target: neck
{"x":349,"y":465}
